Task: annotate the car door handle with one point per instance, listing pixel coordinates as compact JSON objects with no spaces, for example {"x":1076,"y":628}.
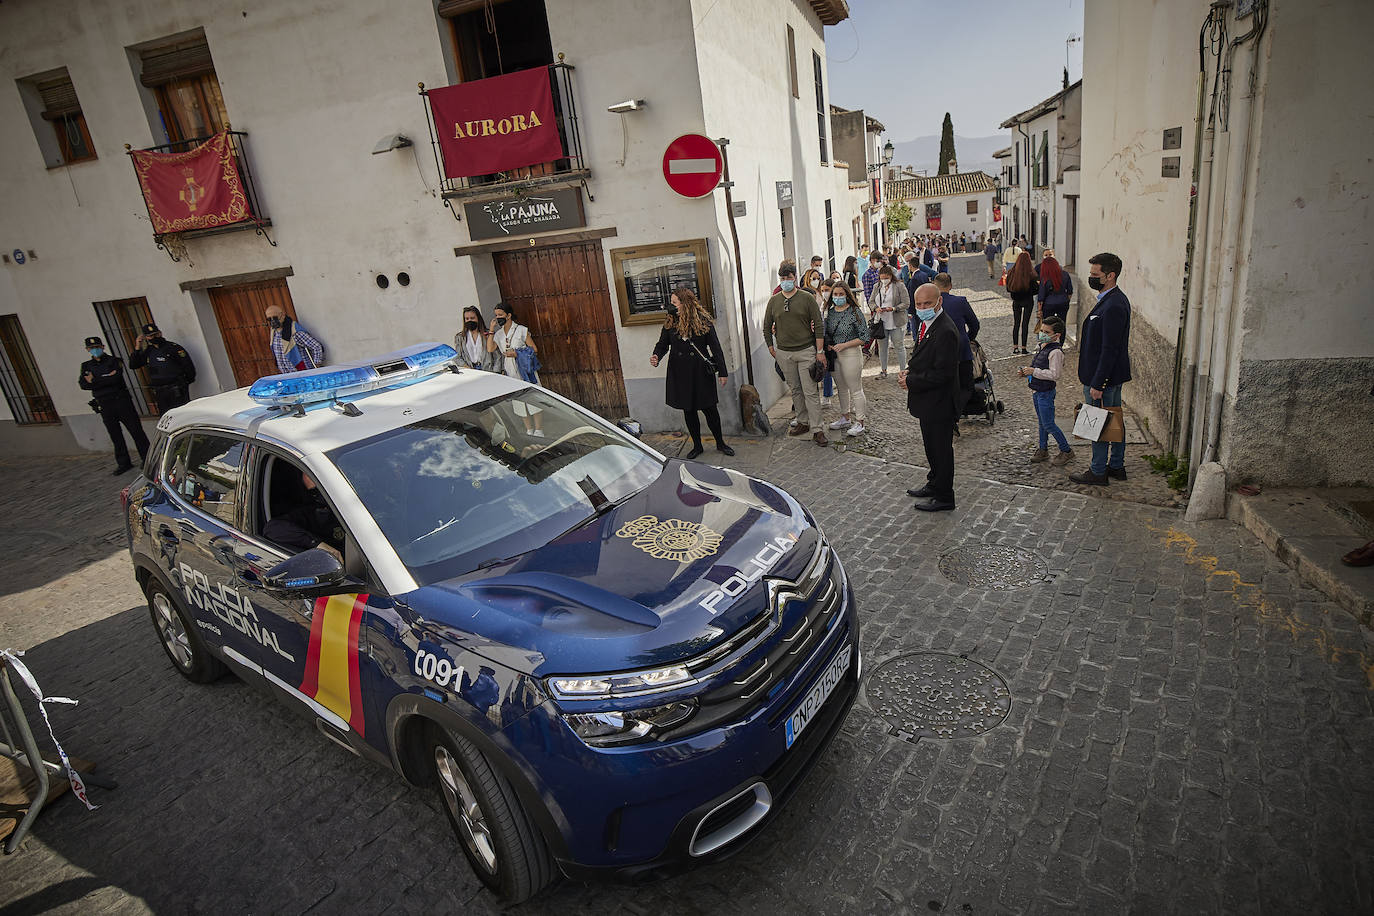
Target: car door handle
{"x":165,"y":534}
{"x":187,"y":528}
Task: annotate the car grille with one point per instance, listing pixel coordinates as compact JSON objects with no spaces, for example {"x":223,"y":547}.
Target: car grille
{"x":760,"y":659}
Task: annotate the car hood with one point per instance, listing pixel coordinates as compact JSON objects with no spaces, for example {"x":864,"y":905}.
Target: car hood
{"x":669,"y":572}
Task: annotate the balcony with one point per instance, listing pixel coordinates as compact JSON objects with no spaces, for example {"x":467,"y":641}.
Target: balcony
{"x":248,"y":215}
{"x":570,"y":169}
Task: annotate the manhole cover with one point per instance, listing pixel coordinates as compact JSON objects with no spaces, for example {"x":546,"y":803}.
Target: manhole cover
{"x":931,"y":695}
{"x":993,"y":566}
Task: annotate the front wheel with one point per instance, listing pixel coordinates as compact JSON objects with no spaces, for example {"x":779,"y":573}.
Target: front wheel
{"x":179,"y":638}
{"x":503,"y":847}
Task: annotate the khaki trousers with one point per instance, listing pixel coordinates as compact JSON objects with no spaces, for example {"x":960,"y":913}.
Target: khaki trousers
{"x":805,"y":397}
{"x":849,"y":375}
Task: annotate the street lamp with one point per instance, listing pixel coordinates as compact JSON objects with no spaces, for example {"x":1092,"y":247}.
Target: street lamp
{"x":888,"y":150}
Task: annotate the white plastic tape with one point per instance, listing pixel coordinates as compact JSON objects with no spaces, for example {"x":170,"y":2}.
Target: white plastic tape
{"x":78,"y":787}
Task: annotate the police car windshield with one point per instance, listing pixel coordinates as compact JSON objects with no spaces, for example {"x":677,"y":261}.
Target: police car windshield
{"x":489,"y":481}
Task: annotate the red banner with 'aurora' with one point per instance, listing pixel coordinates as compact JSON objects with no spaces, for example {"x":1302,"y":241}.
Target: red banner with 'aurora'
{"x":197,"y":189}
{"x":496,"y":124}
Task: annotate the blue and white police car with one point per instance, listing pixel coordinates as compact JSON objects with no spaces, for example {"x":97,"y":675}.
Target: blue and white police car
{"x":608,"y":662}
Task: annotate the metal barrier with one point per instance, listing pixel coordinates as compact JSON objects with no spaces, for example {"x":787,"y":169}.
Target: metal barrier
{"x":27,"y":752}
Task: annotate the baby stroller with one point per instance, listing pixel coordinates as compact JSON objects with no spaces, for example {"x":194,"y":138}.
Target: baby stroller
{"x":983,"y":401}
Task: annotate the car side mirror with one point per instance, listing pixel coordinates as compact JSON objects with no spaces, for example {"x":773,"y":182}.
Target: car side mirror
{"x":310,"y":574}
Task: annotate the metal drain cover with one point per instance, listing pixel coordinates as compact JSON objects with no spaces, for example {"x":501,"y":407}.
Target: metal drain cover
{"x":993,"y":566}
{"x":933,"y":695}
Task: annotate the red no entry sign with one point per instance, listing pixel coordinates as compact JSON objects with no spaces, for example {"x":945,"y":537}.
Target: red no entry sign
{"x":692,"y":165}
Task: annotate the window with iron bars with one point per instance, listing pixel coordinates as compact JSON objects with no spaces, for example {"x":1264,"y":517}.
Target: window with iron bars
{"x":20,"y":379}
{"x":121,"y":321}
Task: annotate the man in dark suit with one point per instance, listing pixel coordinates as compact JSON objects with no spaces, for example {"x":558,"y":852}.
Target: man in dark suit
{"x":1103,"y":362}
{"x":961,"y":313}
{"x":931,"y":381}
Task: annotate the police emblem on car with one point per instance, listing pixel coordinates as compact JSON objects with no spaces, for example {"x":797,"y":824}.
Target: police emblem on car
{"x":476,"y":583}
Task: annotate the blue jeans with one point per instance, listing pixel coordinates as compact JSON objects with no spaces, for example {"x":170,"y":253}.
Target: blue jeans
{"x":1044,"y":412}
{"x":828,"y":387}
{"x":1111,"y":397}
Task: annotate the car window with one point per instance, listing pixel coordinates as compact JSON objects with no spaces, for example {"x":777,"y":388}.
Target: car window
{"x":205,"y":470}
{"x":491,"y":480}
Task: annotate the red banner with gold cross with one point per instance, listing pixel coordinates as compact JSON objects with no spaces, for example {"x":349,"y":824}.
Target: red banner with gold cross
{"x":197,"y":189}
{"x":496,"y":124}
{"x":331,"y":665}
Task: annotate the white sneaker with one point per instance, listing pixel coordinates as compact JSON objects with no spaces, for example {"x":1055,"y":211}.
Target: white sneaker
{"x":856,"y":430}
{"x":841,"y":423}
{"x":537,"y":433}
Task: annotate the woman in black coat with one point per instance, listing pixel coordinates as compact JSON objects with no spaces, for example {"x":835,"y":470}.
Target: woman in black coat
{"x":695,"y":362}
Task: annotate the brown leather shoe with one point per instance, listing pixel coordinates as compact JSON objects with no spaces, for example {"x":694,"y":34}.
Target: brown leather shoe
{"x":820,"y":439}
{"x":800,"y":429}
{"x":1360,"y":556}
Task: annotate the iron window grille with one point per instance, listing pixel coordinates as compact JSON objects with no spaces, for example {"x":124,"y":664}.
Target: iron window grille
{"x":256,"y":219}
{"x":20,"y":379}
{"x":571,"y":167}
{"x":121,"y":321}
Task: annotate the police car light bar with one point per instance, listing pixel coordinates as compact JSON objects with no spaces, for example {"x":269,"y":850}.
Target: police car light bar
{"x":333,"y":382}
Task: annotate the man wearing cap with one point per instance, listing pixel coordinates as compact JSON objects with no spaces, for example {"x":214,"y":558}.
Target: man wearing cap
{"x":170,"y":370}
{"x":103,"y":376}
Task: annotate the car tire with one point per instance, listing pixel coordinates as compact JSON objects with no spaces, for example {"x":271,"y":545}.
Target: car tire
{"x":177,"y":633}
{"x":504,"y":848}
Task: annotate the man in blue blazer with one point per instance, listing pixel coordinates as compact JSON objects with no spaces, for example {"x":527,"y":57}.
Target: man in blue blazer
{"x":1104,"y":363}
{"x":961,"y":313}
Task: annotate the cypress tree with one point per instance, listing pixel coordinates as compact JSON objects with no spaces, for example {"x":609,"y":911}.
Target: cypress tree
{"x":946,"y":145}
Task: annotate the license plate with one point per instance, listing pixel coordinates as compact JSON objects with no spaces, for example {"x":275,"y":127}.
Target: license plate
{"x":819,"y":693}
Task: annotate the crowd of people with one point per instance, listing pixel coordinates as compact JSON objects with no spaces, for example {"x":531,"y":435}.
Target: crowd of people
{"x":820,"y":330}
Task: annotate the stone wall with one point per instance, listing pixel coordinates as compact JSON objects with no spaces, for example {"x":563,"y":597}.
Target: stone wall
{"x":1301,"y":422}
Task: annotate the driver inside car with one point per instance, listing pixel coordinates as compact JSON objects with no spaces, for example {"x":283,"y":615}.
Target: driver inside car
{"x":307,"y":523}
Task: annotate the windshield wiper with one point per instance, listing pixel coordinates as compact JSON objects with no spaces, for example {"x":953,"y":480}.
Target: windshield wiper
{"x":597,"y":512}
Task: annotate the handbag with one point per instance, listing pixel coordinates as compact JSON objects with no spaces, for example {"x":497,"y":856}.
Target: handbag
{"x":1089,"y":422}
{"x":816,"y":371}
{"x":876,"y":331}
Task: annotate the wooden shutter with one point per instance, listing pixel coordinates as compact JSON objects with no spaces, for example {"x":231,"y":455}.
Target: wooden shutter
{"x":59,"y":97}
{"x":182,"y":60}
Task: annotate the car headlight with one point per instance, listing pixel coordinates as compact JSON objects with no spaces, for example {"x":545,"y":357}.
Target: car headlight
{"x":612,"y":729}
{"x":628,"y":684}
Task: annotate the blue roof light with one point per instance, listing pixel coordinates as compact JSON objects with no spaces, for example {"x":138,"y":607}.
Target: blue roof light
{"x":332,"y":382}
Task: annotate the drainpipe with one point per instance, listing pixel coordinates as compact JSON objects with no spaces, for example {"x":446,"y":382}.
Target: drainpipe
{"x":1021,"y":129}
{"x":1232,"y":255}
{"x":1195,"y":265}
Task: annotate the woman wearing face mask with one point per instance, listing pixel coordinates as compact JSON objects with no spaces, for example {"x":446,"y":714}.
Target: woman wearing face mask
{"x":695,"y":362}
{"x":846,"y":331}
{"x":811,"y":281}
{"x":512,"y":342}
{"x":828,"y":383}
{"x":888,"y":302}
{"x":471,"y":342}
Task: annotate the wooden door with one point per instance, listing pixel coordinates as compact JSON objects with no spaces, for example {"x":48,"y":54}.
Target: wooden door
{"x":243,"y":326}
{"x":560,"y":293}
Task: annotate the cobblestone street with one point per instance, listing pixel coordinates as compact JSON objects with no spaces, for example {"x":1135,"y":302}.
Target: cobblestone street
{"x":1189,"y":731}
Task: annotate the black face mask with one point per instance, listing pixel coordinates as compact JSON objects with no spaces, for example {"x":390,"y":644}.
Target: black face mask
{"x":672,"y":310}
{"x":500,"y":322}
{"x":155,"y":338}
{"x":470,"y":325}
{"x":1095,"y":282}
{"x":274,"y":321}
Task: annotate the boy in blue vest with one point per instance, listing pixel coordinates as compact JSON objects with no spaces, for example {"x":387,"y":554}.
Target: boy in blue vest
{"x":1043,"y":375}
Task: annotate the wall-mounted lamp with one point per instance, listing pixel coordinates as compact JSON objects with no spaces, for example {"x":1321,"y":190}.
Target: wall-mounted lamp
{"x":621,"y":108}
{"x":391,"y":142}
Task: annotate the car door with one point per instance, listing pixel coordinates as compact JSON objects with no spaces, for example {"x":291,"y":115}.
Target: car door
{"x":322,"y":639}
{"x":198,"y":535}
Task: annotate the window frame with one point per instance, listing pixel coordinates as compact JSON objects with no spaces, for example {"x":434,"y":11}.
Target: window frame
{"x":25,"y":371}
{"x":822,"y":127}
{"x":971,"y":207}
{"x":792,"y":61}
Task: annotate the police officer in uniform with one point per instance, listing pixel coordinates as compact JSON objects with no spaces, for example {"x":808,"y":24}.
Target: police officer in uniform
{"x":103,"y":376}
{"x":170,"y":370}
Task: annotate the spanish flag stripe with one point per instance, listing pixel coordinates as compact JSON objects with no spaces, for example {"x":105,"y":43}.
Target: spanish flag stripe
{"x":310,"y":684}
{"x":333,"y":693}
{"x":355,"y":687}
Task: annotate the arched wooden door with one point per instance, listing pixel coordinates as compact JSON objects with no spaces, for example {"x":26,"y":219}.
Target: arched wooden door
{"x":560,"y":293}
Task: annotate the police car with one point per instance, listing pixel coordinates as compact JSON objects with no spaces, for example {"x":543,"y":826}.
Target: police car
{"x":608,"y":662}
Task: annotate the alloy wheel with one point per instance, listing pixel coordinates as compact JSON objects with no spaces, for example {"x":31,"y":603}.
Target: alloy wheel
{"x":170,"y":628}
{"x":467,"y":813}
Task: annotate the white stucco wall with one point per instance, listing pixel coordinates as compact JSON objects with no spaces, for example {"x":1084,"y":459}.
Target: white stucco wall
{"x":955,"y":218}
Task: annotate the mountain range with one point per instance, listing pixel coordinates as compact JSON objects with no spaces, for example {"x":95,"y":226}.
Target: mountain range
{"x":973,"y":153}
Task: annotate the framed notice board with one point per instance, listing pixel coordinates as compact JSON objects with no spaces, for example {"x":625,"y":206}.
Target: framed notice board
{"x":646,"y":276}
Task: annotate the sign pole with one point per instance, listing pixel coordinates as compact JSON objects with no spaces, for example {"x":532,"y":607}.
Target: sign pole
{"x":739,"y":271}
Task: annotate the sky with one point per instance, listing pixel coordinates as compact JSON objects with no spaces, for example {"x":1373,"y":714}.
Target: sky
{"x":981,"y":60}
